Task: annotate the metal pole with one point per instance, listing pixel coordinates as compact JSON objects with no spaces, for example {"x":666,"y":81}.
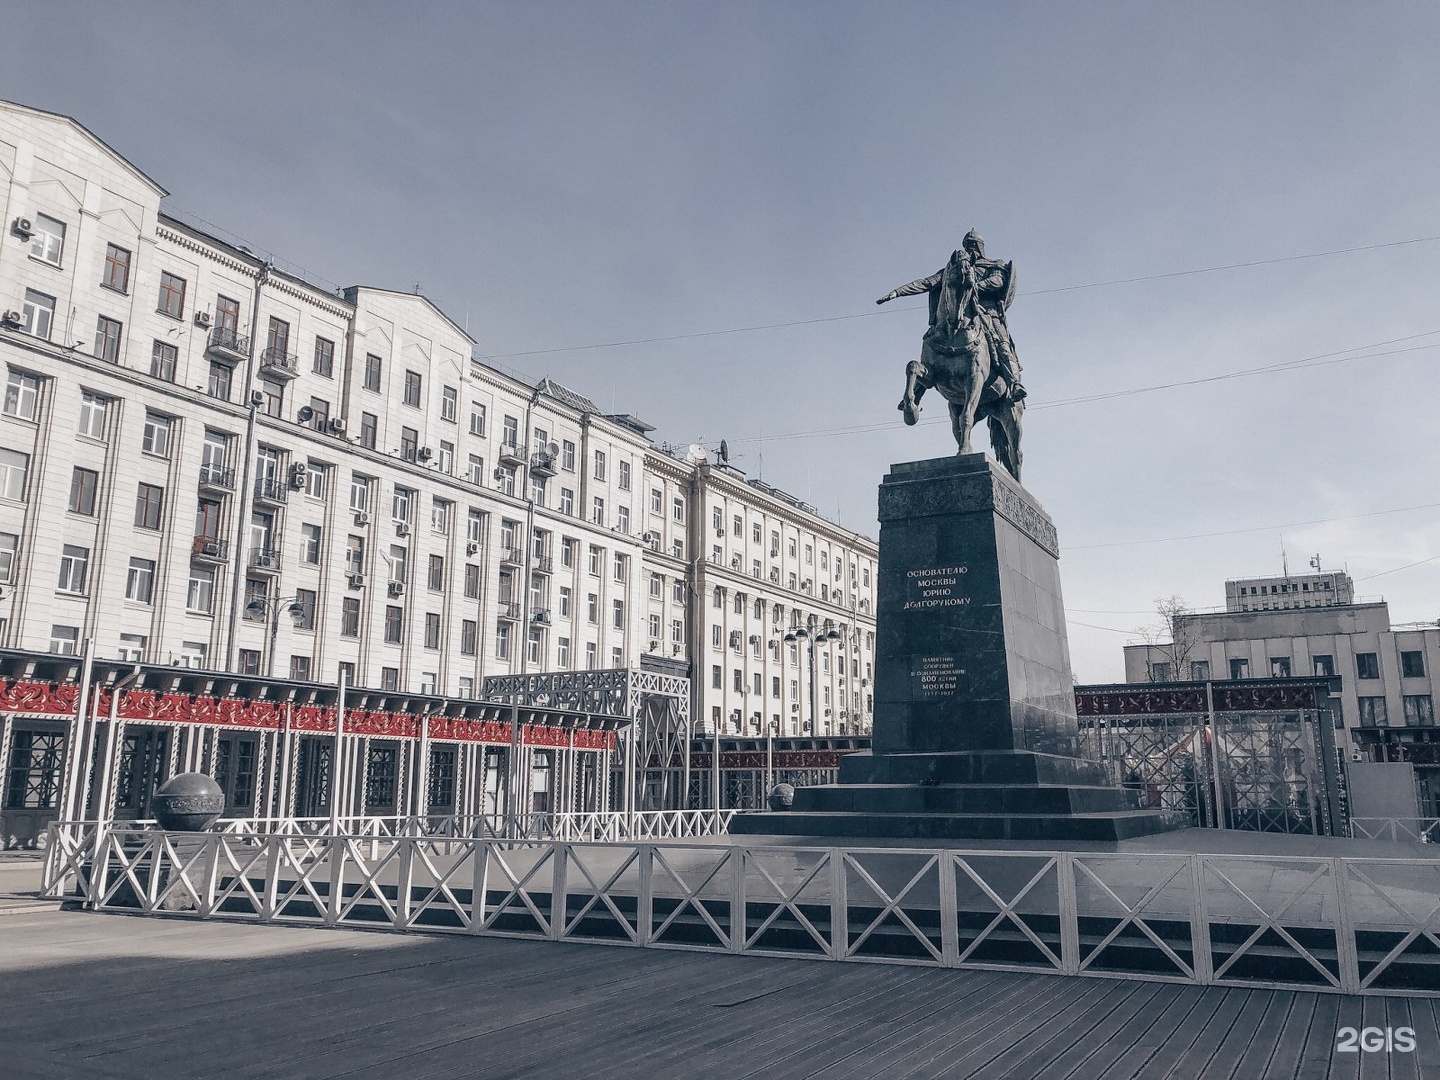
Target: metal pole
{"x":335,"y":785}
{"x":74,"y":801}
{"x":769,"y":760}
{"x":715,"y":770}
{"x":1213,"y":729}
{"x":274,"y":605}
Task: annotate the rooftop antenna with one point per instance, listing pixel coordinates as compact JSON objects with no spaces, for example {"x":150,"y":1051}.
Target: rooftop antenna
{"x":417,"y":288}
{"x":1284,"y":561}
{"x":1315,"y":562}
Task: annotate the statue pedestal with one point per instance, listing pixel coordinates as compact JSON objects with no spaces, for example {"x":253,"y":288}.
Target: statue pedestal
{"x":975,"y":734}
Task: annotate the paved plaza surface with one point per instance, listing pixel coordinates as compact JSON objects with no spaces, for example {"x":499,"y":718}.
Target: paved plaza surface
{"x":130,"y":998}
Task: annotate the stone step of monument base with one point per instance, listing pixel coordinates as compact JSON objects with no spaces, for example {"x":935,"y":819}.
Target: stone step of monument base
{"x":965,"y":799}
{"x":971,"y":767}
{"x":1049,"y":828}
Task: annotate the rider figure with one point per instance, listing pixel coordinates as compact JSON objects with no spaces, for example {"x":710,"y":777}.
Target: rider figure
{"x":986,"y":287}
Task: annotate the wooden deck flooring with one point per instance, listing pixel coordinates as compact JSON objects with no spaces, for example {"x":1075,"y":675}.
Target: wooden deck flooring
{"x":90,"y":996}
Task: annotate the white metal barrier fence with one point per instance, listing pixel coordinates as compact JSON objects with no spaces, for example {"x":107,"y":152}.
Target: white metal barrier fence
{"x":1358,"y":926}
{"x":1424,"y":830}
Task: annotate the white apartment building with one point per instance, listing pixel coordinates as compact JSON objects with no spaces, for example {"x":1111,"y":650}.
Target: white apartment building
{"x":209,"y":462}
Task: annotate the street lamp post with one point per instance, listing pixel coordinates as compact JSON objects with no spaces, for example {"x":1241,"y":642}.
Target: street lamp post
{"x":270,"y":606}
{"x":811,"y":634}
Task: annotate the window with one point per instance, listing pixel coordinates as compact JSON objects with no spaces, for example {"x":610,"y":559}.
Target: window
{"x":48,"y":242}
{"x":84,"y":483}
{"x":562,"y":652}
{"x":37,"y":314}
{"x":502,"y":641}
{"x":477,"y":418}
{"x":394,"y":624}
{"x":350,"y":616}
{"x":655,"y":622}
{"x":1279,"y":667}
{"x":435,"y":577}
{"x":399,"y":562}
{"x":140,"y":581}
{"x":319,"y":413}
{"x":475,"y":525}
{"x":466,"y":688}
{"x":622,"y":519}
{"x":314,"y":479}
{"x":446,"y":462}
{"x":472,"y":581}
{"x":217,"y":385}
{"x":156,"y":436}
{"x":677,"y":632}
{"x":300,"y":668}
{"x":303,"y":609}
{"x":1367,"y":665}
{"x":162,"y":361}
{"x":599,"y":464}
{"x":355,"y":555}
{"x":568,"y":545}
{"x":1323,"y":665}
{"x":1412,"y":665}
{"x":227,"y":316}
{"x":622,"y":567}
{"x":656,"y":500}
{"x":738,"y":528}
{"x":107,"y":340}
{"x":389,"y":678}
{"x":310,"y":544}
{"x":597,"y":511}
{"x":359,"y":493}
{"x":9,"y":543}
{"x":1372,"y":712}
{"x":567,"y":456}
{"x":400,"y":505}
{"x":468,"y":637}
{"x":172,"y":296}
{"x":440,"y":511}
{"x":117,"y":269}
{"x":132,"y":647}
{"x":677,"y":548}
{"x":372,"y":372}
{"x":592,"y":608}
{"x":200,"y":597}
{"x":412,"y":388}
{"x":1239,"y":668}
{"x":324,"y":363}
{"x":657,"y":586}
{"x":592,"y":655}
{"x":409,"y":443}
{"x":677,"y":509}
{"x":593,"y":563}
{"x":565,"y":594}
{"x":1419,"y":710}
{"x":149,"y":502}
{"x":618,"y":614}
{"x":22,"y":394}
{"x":1199,"y":670}
{"x":677,"y":591}
{"x":534,"y":644}
{"x":449,"y":403}
{"x":63,"y":639}
{"x":277,"y":341}
{"x":369,"y":424}
{"x":432,"y":631}
{"x":624,"y":477}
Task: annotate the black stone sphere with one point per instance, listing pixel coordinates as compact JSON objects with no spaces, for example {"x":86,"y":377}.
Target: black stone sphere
{"x":189,"y":802}
{"x":782,"y":797}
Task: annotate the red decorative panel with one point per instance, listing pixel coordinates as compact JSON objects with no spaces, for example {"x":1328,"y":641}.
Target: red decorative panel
{"x":43,"y":698}
{"x":1267,"y":698}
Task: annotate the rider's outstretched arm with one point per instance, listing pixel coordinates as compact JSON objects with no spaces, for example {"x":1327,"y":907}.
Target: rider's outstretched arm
{"x":925,"y":284}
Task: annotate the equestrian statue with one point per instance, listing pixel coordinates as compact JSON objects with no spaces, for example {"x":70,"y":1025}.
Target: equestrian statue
{"x":967,"y":353}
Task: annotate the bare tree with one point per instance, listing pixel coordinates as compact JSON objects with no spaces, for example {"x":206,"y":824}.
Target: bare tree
{"x":1171,"y":641}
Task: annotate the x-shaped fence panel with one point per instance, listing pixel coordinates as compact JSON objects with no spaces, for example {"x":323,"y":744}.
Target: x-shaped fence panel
{"x":1394,"y":910}
{"x":1008,"y":910}
{"x":1274,"y":921}
{"x":892,"y":906}
{"x":1135,"y":915}
{"x":439,"y":893}
{"x":786,"y":893}
{"x":692,"y":891}
{"x":517,"y":872}
{"x":603,"y":892}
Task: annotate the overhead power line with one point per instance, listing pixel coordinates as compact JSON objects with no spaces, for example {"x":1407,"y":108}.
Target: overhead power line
{"x":1024,"y":292}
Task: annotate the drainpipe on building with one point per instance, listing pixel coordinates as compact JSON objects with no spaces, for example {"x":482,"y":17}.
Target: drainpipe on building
{"x":243,"y":499}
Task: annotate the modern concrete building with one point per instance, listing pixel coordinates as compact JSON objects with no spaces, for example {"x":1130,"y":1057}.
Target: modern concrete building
{"x":1385,"y":672}
{"x":209,"y":462}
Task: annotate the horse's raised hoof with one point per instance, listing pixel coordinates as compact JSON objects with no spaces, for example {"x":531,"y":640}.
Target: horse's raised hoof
{"x":911,"y":411}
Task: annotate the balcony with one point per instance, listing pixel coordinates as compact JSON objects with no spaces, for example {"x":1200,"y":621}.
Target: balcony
{"x":509,"y":611}
{"x":511,"y":454}
{"x":265,"y":560}
{"x":209,"y":549}
{"x":278,"y":364}
{"x":272,"y":490}
{"x":227,"y":344}
{"x":512,"y":557}
{"x":542,"y":465}
{"x":543,"y":564}
{"x":217,"y":478}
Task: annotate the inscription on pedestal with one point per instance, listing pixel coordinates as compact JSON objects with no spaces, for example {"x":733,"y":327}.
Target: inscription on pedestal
{"x":935,"y":587}
{"x":936,"y":677}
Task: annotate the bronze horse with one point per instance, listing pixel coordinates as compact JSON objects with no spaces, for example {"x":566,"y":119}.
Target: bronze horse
{"x":960,"y":364}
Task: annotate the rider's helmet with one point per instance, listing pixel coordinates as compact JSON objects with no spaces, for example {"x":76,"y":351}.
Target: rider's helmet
{"x":974,"y":243}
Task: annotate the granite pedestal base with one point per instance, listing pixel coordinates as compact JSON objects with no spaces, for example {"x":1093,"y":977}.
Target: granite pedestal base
{"x":975,"y":734}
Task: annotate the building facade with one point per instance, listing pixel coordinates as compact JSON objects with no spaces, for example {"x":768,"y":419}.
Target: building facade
{"x":1382,"y":673}
{"x":211,"y":463}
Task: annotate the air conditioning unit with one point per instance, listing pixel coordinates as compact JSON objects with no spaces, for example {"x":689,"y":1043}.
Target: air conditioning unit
{"x":499,"y":474}
{"x":402,"y":528}
{"x":297,"y":476}
{"x":795,"y":706}
{"x":210,"y":547}
{"x":257,"y":398}
{"x":754,"y":639}
{"x":357,"y":581}
{"x":472,"y":546}
{"x":24,"y":228}
{"x":13,"y":318}
{"x":651,"y":537}
{"x":735,"y":562}
{"x":734,"y":639}
{"x":337,"y":426}
{"x":362,"y":519}
{"x":541,"y":618}
{"x":425,"y":453}
{"x":202,"y":319}
{"x":674,"y":650}
{"x":720,"y":532}
{"x":396,"y":588}
{"x":654,"y":645}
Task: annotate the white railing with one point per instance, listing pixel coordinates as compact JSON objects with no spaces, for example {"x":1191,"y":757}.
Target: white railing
{"x":1343,"y":925}
{"x":1422,"y":830}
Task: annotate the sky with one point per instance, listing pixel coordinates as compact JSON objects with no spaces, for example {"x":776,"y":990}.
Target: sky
{"x":686,"y":211}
